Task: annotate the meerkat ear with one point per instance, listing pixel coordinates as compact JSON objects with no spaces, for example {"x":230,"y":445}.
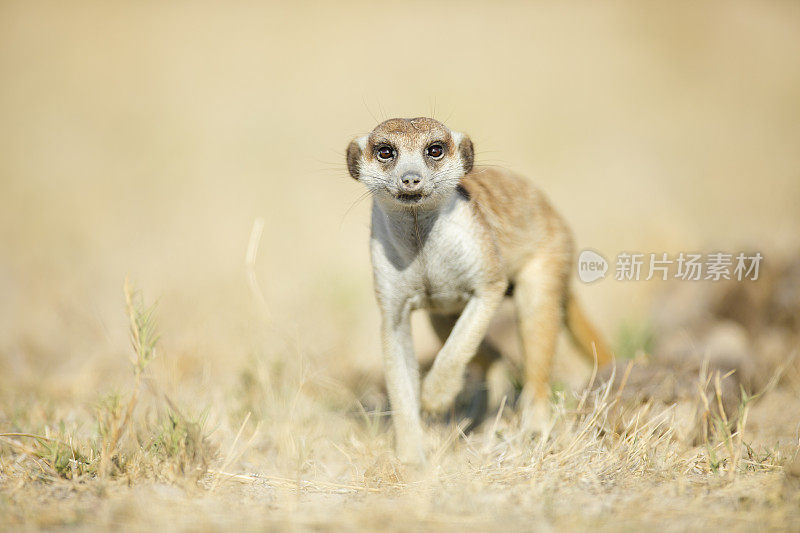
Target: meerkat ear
{"x":354,"y":151}
{"x":465,"y":150}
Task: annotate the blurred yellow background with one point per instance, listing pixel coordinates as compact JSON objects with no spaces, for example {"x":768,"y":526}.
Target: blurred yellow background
{"x":144,"y":139}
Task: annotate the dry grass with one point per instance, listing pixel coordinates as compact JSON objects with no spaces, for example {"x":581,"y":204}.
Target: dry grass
{"x":294,"y":449}
{"x":145,"y":139}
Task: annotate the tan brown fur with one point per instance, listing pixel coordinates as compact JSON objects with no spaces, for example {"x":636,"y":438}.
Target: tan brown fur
{"x":535,"y":249}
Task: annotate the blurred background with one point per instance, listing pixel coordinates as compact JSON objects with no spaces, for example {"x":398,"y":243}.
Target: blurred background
{"x":143,"y":139}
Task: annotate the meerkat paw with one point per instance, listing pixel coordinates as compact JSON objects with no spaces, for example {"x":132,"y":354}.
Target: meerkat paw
{"x":410,"y":451}
{"x":439,"y":391}
{"x":536,"y":415}
{"x":412,"y":456}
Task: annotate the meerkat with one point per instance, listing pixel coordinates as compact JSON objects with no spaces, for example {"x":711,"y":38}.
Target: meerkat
{"x":455,"y":239}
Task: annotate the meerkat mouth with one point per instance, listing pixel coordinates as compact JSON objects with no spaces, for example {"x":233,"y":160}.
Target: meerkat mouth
{"x":409,"y":198}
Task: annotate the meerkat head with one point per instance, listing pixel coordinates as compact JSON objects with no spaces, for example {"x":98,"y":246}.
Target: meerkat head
{"x":410,"y":162}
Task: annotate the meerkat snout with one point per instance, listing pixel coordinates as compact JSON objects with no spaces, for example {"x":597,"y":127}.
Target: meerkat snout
{"x":411,"y":181}
{"x":410,"y":162}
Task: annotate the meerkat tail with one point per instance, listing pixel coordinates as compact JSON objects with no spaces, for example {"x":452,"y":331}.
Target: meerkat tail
{"x":584,"y":334}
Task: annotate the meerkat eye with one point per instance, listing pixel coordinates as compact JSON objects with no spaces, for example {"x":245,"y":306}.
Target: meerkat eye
{"x":385,"y":153}
{"x":435,"y":151}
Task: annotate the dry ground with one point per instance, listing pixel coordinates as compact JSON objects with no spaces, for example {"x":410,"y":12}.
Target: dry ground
{"x":279,"y":443}
{"x":144,"y":139}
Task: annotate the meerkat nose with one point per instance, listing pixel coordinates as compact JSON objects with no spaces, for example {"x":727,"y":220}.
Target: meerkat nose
{"x":411,"y":181}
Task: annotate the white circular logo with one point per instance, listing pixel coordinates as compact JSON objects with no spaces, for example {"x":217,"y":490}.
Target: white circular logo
{"x":591,"y":266}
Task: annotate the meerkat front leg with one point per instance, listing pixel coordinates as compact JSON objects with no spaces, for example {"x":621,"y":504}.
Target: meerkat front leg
{"x":402,"y":383}
{"x":539,"y":294}
{"x":487,"y":352}
{"x":446,"y":376}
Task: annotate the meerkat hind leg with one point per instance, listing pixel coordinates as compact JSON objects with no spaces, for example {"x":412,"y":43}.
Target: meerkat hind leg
{"x":539,"y":296}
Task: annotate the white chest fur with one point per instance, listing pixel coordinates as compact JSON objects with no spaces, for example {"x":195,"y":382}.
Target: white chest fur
{"x":428,"y":259}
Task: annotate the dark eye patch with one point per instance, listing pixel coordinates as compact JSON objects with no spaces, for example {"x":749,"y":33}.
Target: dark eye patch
{"x":384,"y":152}
{"x":435,"y":150}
